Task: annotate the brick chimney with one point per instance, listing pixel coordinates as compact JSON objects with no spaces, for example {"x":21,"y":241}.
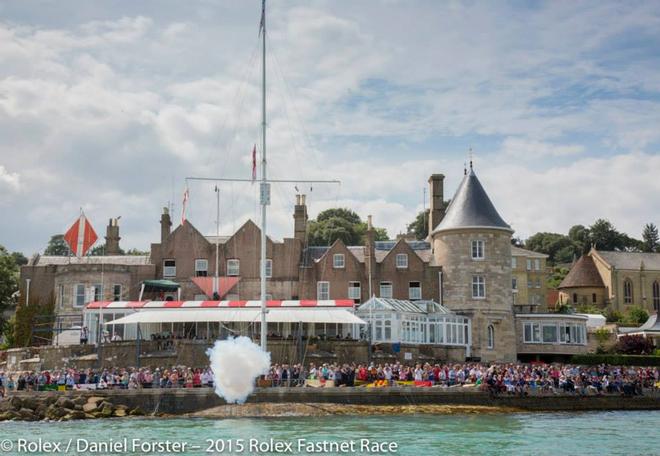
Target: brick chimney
{"x":370,"y":256}
{"x":300,"y":219}
{"x":436,"y":193}
{"x":112,"y":237}
{"x":165,"y":225}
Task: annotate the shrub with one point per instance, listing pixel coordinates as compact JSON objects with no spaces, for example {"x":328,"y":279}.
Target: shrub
{"x":589,"y":309}
{"x":636,"y":316}
{"x":616,"y":360}
{"x":613,"y":316}
{"x":634,"y":345}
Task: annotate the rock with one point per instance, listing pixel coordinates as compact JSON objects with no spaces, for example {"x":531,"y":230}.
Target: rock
{"x":94,"y":400}
{"x":105,"y":404}
{"x":77,"y":415}
{"x":89,"y":407}
{"x":78,"y":407}
{"x":106,"y":412}
{"x":51,"y":399}
{"x":40,"y":411}
{"x":137,"y":411}
{"x":120,"y":412}
{"x":30,"y":402}
{"x":65,"y":402}
{"x":80,"y":400}
{"x":16,"y":402}
{"x":5,"y":406}
{"x":26,"y":414}
{"x":54,"y":412}
{"x":9,"y":415}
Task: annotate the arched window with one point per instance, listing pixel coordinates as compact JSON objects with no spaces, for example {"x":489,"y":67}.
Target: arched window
{"x":656,"y":295}
{"x":627,"y":291}
{"x":491,"y":337}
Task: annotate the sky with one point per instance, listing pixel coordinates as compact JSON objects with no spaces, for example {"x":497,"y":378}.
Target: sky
{"x":109,"y":106}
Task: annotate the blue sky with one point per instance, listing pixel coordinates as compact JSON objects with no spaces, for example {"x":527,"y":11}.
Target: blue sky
{"x":110,"y":105}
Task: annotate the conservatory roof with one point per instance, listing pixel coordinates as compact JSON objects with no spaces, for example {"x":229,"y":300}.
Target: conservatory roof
{"x":400,"y":305}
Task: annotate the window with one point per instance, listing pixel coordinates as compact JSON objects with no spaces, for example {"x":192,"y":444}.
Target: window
{"x":575,"y":298}
{"x":514,"y":284}
{"x":537,"y":264}
{"x":201,"y":267}
{"x":169,"y":268}
{"x":538,"y":283}
{"x":79,"y":295}
{"x":656,"y":295}
{"x":529,"y":283}
{"x":401,"y":260}
{"x":338,"y":261}
{"x":491,"y":337}
{"x":414,"y":291}
{"x":233,"y":267}
{"x":354,"y":291}
{"x":116,"y":292}
{"x":529,"y":264}
{"x":477,"y":250}
{"x":386,"y":289}
{"x":478,"y":287}
{"x":532,"y":333}
{"x":549,"y":334}
{"x":269,"y":268}
{"x":322,"y":290}
{"x":535,"y":300}
{"x":627,"y":291}
{"x":60,"y":295}
{"x":514,"y":263}
{"x":98,"y":292}
{"x":594,"y":298}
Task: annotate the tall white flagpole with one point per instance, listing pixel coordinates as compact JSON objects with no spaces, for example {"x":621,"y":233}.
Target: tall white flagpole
{"x":265,"y":188}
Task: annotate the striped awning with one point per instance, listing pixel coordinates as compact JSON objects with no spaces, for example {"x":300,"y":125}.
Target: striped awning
{"x":216,"y":304}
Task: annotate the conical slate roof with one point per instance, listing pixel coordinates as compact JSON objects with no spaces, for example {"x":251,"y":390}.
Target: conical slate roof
{"x":583,"y":274}
{"x":471,"y":208}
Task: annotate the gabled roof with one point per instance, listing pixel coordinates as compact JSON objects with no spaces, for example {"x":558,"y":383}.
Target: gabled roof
{"x":583,"y":274}
{"x":630,"y":260}
{"x":471,"y":208}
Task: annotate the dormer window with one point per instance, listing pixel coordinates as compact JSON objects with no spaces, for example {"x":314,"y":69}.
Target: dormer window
{"x":401,"y":260}
{"x":477,"y":250}
{"x":338,"y":261}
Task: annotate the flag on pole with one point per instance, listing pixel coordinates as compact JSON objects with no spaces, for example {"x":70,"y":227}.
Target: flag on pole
{"x":81,"y":236}
{"x":186,"y":195}
{"x":254,"y":163}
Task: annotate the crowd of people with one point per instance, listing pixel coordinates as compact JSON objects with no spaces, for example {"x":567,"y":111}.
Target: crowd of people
{"x":496,"y":378}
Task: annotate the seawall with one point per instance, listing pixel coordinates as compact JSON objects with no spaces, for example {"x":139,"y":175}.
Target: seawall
{"x":183,"y":401}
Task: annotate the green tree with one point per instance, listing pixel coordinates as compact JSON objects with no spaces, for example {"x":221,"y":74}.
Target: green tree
{"x":57,"y":246}
{"x":579,"y":235}
{"x":604,"y":236}
{"x":19,"y":259}
{"x":557,"y":276}
{"x":636,"y":316}
{"x":136,"y":252}
{"x":420,"y":226}
{"x":558,"y":247}
{"x":650,"y":238}
{"x":340,"y":223}
{"x":28,"y":317}
{"x":99,"y":250}
{"x":8,"y":285}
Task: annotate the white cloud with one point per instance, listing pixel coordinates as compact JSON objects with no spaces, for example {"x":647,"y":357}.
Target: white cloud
{"x":526,"y":149}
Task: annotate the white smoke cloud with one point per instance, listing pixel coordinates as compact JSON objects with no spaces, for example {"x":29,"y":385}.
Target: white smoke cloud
{"x":235,"y":364}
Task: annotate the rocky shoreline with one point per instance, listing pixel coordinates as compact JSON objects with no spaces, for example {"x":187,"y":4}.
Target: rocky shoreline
{"x":53,"y":407}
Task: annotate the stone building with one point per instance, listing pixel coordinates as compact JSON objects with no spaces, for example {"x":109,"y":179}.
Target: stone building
{"x":467,"y":265}
{"x":616,"y":280}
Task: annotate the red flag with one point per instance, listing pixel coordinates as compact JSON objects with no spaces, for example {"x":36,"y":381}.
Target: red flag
{"x":254,"y":163}
{"x":81,"y":236}
{"x":186,"y":195}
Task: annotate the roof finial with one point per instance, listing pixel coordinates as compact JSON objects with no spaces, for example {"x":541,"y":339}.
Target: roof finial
{"x":464,"y":169}
{"x":470,"y":158}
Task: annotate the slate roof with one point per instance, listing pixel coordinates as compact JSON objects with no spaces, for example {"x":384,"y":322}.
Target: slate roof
{"x":517,"y":251}
{"x":583,"y":274}
{"x":313,"y":254}
{"x":471,"y":208}
{"x":129,"y":260}
{"x":631,"y":260}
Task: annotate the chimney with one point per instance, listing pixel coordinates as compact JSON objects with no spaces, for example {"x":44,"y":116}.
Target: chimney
{"x":165,"y":225}
{"x":112,"y":237}
{"x":300,"y":219}
{"x":370,"y":254}
{"x":436,"y":192}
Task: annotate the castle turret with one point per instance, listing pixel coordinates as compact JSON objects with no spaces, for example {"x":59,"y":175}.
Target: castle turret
{"x":473,"y":245}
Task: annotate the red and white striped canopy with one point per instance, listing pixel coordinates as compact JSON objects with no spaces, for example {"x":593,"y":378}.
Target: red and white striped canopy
{"x":215,"y":304}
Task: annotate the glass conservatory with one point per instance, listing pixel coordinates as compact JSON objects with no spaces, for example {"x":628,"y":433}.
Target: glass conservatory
{"x":414,"y":322}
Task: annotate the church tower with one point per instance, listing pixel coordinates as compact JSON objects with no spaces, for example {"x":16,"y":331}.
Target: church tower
{"x":473,"y":245}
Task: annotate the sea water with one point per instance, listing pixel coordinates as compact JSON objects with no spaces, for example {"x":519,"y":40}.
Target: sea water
{"x":588,"y":433}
